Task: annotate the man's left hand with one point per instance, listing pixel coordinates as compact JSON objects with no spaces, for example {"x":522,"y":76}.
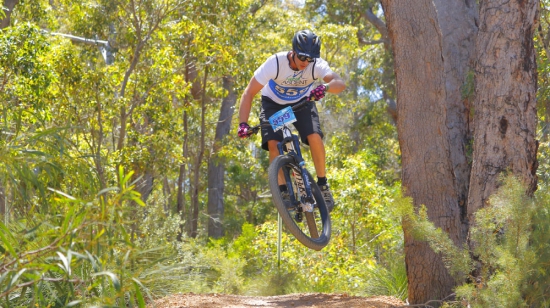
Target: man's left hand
{"x":318,"y":93}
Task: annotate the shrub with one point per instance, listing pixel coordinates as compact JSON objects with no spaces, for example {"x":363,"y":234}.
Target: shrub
{"x":84,"y":252}
{"x":510,"y":251}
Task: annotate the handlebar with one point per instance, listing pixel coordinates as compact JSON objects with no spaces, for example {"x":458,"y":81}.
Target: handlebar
{"x":255,"y":129}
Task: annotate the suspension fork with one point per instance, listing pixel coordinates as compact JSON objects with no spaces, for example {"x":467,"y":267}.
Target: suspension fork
{"x":291,"y":144}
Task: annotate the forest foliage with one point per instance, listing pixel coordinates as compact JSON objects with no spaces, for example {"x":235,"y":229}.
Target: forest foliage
{"x":104,"y":165}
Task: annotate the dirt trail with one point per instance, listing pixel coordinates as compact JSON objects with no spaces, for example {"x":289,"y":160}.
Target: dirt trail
{"x":312,"y":300}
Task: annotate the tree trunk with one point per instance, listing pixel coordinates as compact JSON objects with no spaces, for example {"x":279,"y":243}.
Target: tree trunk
{"x":216,"y":166}
{"x":433,"y":46}
{"x":182,"y":177}
{"x":192,"y":77}
{"x":198,"y":162}
{"x":505,"y":104}
{"x":98,"y":137}
{"x":432,"y":43}
{"x":9,"y":5}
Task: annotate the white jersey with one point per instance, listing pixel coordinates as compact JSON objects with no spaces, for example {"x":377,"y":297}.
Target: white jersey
{"x":283,"y":84}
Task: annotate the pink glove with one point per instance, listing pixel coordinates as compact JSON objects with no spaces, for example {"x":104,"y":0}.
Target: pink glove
{"x":243,"y":130}
{"x":318,"y":93}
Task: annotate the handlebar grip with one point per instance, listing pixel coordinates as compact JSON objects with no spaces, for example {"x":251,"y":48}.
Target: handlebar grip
{"x":302,"y":104}
{"x":253,"y":130}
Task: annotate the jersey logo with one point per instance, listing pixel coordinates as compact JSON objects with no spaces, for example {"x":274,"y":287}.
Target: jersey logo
{"x":294,"y":80}
{"x":289,"y":93}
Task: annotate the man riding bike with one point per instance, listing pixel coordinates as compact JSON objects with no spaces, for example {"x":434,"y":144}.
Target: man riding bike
{"x":285,"y":79}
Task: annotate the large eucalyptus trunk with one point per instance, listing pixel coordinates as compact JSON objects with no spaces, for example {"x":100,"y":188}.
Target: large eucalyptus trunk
{"x":505,"y":104}
{"x":433,"y":44}
{"x":216,"y":166}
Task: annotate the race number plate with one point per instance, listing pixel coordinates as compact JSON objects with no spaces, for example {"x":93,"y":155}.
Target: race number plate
{"x":282,"y":117}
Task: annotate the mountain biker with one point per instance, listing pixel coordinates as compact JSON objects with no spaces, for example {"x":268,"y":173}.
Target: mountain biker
{"x":285,"y":79}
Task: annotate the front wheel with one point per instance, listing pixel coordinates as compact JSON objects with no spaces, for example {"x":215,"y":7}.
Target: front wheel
{"x":314,"y":233}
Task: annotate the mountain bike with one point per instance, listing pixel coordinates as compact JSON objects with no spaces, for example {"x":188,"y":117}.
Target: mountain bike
{"x":304,"y":197}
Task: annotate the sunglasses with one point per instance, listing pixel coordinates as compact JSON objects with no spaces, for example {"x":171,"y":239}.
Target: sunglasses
{"x":305,"y":58}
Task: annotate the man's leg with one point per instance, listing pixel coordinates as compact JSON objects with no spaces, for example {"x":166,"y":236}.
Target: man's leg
{"x":317,"y":148}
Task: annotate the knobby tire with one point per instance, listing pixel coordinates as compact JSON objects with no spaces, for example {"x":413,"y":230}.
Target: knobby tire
{"x":318,"y":221}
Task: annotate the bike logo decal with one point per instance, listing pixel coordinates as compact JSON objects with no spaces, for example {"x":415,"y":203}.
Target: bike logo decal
{"x":307,"y":181}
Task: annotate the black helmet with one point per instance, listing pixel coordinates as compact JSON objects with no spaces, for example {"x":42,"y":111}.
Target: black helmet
{"x":306,"y":43}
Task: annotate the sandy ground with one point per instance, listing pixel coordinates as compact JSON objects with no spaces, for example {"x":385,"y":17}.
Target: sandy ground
{"x":313,"y":300}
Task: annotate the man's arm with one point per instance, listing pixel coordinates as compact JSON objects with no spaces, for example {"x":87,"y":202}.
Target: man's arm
{"x":335,"y":83}
{"x":246,"y":99}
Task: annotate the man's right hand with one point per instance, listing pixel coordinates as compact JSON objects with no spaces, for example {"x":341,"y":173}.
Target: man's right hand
{"x":243,"y":130}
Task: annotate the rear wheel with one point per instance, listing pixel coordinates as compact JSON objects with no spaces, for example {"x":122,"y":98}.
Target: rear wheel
{"x":314,"y":232}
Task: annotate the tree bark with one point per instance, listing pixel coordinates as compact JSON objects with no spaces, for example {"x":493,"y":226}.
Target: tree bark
{"x":192,"y":77}
{"x":9,"y":5}
{"x":505,"y":104}
{"x":183,"y":176}
{"x":216,"y":166}
{"x":198,"y":162}
{"x":432,"y":44}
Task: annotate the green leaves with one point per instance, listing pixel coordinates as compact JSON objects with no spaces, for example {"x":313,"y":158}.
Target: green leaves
{"x":139,"y":294}
{"x":500,"y":254}
{"x":114,"y":279}
{"x":72,"y":265}
{"x":66,"y":262}
{"x":7,"y":240}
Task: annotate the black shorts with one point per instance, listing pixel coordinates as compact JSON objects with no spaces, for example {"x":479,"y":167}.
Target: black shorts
{"x":307,"y":121}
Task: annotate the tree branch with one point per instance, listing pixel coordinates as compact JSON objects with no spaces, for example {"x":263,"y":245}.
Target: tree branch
{"x":379,"y":25}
